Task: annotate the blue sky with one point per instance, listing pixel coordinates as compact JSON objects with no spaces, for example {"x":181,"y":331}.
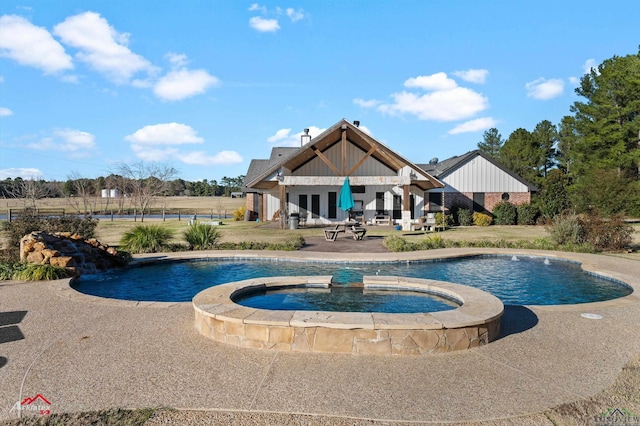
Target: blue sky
{"x":206,"y":86}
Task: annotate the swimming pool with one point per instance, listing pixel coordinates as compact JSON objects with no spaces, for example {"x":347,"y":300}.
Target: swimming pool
{"x":516,"y":280}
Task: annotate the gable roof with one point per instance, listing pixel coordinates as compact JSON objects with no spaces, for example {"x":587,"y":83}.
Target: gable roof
{"x":294,"y":158}
{"x":443,"y":168}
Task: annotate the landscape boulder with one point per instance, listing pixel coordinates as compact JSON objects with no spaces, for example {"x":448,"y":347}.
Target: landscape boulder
{"x":69,"y":251}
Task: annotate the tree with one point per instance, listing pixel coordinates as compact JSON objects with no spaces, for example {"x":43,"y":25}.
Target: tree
{"x":145,"y":182}
{"x":609,"y":121}
{"x":545,"y":139}
{"x":492,"y":143}
{"x":30,"y":190}
{"x":79,"y":192}
{"x":605,"y":132}
{"x":519,"y":155}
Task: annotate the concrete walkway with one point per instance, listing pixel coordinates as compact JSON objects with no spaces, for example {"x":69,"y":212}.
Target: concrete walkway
{"x":84,"y":353}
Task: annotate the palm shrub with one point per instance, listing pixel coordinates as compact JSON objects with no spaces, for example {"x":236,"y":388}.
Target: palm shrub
{"x":505,"y":213}
{"x":146,"y":239}
{"x":201,"y":236}
{"x":481,"y":219}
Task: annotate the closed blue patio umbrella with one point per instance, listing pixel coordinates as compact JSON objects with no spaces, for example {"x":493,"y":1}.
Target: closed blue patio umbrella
{"x":345,"y":200}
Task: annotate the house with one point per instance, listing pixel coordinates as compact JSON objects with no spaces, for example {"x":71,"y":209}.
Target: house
{"x":475,"y":181}
{"x":307,"y":180}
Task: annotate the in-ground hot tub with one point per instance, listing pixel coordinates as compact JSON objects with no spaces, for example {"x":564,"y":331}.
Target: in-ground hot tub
{"x":474,"y":323}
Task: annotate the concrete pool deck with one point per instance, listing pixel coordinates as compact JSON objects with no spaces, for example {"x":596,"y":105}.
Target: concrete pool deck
{"x":85,"y":353}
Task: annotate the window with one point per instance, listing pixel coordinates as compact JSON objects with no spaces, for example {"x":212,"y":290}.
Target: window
{"x":397,"y":207}
{"x":505,"y":196}
{"x":478,"y":201}
{"x":435,"y":201}
{"x":358,"y":189}
{"x":379,"y":202}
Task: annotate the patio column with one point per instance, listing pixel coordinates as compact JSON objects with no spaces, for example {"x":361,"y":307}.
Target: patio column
{"x":283,"y":206}
{"x":406,"y":208}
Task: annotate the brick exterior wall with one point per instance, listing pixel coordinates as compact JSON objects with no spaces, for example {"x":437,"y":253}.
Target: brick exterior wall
{"x":465,"y":200}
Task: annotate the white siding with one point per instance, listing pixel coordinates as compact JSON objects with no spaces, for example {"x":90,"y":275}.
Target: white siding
{"x":480,"y":175}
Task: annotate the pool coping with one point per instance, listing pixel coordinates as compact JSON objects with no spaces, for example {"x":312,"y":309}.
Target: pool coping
{"x":474,"y":323}
{"x":588,"y":262}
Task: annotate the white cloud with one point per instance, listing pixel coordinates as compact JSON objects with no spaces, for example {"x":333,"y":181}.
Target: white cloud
{"x":473,"y":75}
{"x":24,"y":173}
{"x":76,"y":143}
{"x":590,"y":64}
{"x":574,"y":80}
{"x":283,"y":137}
{"x":32,"y":46}
{"x":255,"y":7}
{"x":366,"y":104}
{"x":264,"y":25}
{"x":202,"y":159}
{"x":181,"y":84}
{"x":177,"y":59}
{"x":280,"y":134}
{"x":5,"y":112}
{"x":437,"y":81}
{"x":101,"y":46}
{"x":442,"y":105}
{"x":544,"y":89}
{"x":164,"y":134}
{"x":474,"y":125}
{"x":294,"y":15}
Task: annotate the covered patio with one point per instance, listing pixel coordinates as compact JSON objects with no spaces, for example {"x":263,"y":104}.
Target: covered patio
{"x":307,"y":180}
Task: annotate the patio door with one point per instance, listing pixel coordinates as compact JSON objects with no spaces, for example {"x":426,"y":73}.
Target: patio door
{"x":333,"y":198}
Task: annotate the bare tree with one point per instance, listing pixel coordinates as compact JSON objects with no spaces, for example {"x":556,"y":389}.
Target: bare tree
{"x":30,"y":190}
{"x":83,"y":193}
{"x":146,"y":181}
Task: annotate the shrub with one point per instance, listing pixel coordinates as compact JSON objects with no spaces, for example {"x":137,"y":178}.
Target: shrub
{"x":292,"y":243}
{"x":27,"y":222}
{"x":527,"y":214}
{"x":465,"y":217}
{"x":9,"y":269}
{"x":146,"y":239}
{"x":611,"y":234}
{"x":567,"y":229}
{"x":432,"y":242}
{"x":443,"y":220}
{"x":238,"y":215}
{"x":201,"y":236}
{"x":33,"y":272}
{"x":397,"y":244}
{"x":505,"y":213}
{"x":481,"y":219}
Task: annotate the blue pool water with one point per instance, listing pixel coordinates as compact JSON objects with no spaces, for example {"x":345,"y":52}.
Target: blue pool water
{"x":516,"y":281}
{"x":346,"y":299}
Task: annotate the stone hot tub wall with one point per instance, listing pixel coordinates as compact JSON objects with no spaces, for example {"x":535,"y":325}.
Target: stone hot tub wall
{"x":475,"y":323}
